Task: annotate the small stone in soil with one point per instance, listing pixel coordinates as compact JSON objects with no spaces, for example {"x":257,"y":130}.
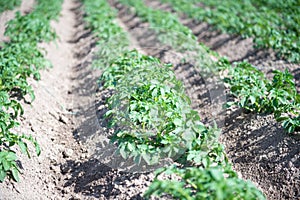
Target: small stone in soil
{"x":63,"y":119}
{"x":54,"y":168}
{"x":83,"y":156}
{"x":65,"y":169}
{"x":67,"y":153}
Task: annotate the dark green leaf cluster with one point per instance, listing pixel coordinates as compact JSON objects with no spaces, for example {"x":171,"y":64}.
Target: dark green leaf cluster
{"x":21,"y":58}
{"x":9,"y":4}
{"x":29,"y":28}
{"x":255,"y":93}
{"x":272,"y":24}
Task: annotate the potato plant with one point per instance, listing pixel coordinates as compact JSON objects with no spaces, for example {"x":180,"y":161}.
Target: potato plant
{"x":153,"y":120}
{"x":20,"y":59}
{"x":151,"y":112}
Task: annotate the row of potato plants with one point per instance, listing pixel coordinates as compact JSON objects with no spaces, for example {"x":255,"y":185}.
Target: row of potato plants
{"x":180,"y":38}
{"x":167,"y":26}
{"x":21,"y":58}
{"x":102,"y":22}
{"x":153,"y":120}
{"x":271,"y":24}
{"x":253,"y":91}
{"x":9,"y":4}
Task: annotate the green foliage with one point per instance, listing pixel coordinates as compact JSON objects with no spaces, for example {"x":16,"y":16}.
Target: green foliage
{"x":255,"y":93}
{"x":19,"y":59}
{"x":8,"y":165}
{"x":9,"y":4}
{"x":152,"y":119}
{"x":151,"y":113}
{"x":272,"y":24}
{"x":48,"y":10}
{"x":113,"y":41}
{"x":31,"y":28}
{"x":198,"y":183}
{"x":170,"y":30}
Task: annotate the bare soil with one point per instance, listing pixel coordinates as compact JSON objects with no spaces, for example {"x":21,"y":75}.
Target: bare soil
{"x":67,"y":118}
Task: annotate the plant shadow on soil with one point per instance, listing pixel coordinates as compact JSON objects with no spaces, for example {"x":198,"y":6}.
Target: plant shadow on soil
{"x":92,"y":178}
{"x":261,"y":149}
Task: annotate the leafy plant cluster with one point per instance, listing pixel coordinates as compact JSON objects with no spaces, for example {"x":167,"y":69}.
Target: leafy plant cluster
{"x":151,"y":113}
{"x":153,"y":120}
{"x":172,"y":32}
{"x":21,"y":58}
{"x":271,"y":23}
{"x":9,"y":4}
{"x":256,"y":93}
{"x":101,"y":19}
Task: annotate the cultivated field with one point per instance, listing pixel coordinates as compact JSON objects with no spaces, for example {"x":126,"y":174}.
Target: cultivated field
{"x":140,"y":99}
